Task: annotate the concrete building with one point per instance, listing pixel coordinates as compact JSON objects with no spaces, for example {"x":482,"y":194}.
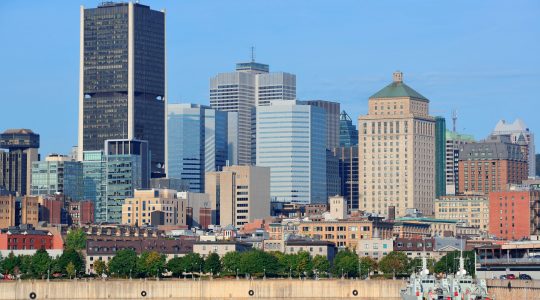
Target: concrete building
{"x":169,"y":183}
{"x":375,"y":248}
{"x":490,"y":165}
{"x":52,"y":210}
{"x":397,"y":157}
{"x":81,"y":212}
{"x":199,"y":209}
{"x":196,"y":143}
{"x":440,"y":156}
{"x":515,"y":213}
{"x":520,"y":134}
{"x":204,"y":248}
{"x":348,"y":174}
{"x":454,"y":142}
{"x":141,"y":208}
{"x":58,"y":174}
{"x":313,"y":247}
{"x":348,"y":134}
{"x":122,"y":88}
{"x":15,"y":211}
{"x":471,"y":209}
{"x":16,"y":164}
{"x":238,"y":194}
{"x":338,"y":207}
{"x":291,"y":141}
{"x":332,"y":110}
{"x":416,"y":247}
{"x":241,"y":91}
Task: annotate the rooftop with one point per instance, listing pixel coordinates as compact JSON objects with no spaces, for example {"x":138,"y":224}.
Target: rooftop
{"x":398,"y":89}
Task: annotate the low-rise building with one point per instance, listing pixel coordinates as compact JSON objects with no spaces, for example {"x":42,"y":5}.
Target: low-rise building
{"x":416,"y":247}
{"x":220,"y":247}
{"x":375,"y":248}
{"x":154,"y":207}
{"x":437,"y":227}
{"x":26,"y":240}
{"x":313,"y":247}
{"x":472,"y":209}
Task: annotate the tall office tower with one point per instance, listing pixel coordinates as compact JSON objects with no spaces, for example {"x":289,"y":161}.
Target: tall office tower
{"x":537,"y":164}
{"x":333,"y":181}
{"x":196,"y":142}
{"x":454,"y":142}
{"x":519,"y":134}
{"x":95,"y":183}
{"x":490,"y":165}
{"x":238,"y":194}
{"x":440,"y":157}
{"x":291,"y":140}
{"x":122,"y":91}
{"x":332,"y":110}
{"x":241,"y":91}
{"x":58,"y":174}
{"x":127,"y":169}
{"x":348,"y":173}
{"x":397,"y":151}
{"x":16,"y":164}
{"x":348,"y":134}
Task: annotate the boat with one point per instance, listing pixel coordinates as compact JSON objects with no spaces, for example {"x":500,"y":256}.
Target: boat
{"x":422,"y":286}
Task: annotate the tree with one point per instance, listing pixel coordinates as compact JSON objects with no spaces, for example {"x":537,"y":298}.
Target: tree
{"x":346,"y":264}
{"x":10,"y":263}
{"x":304,"y":265}
{"x":124,"y":263}
{"x":192,"y":262}
{"x":367,"y":265}
{"x":257,"y":262}
{"x":100,"y":267}
{"x":230,"y":262}
{"x":394,"y":263}
{"x":450,"y":262}
{"x":41,"y":263}
{"x":151,"y":264}
{"x":70,"y":255}
{"x":212,"y":264}
{"x":70,"y":269}
{"x":416,"y":264}
{"x":175,"y":266}
{"x":76,"y":239}
{"x":321,"y":265}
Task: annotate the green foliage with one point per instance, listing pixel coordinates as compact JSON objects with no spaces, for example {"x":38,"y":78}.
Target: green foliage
{"x":449,"y":263}
{"x":70,"y":270}
{"x":304,"y":265}
{"x":150,"y":264}
{"x":100,"y":267}
{"x":123,"y":263}
{"x":416,"y":264}
{"x":174,"y":266}
{"x":346,"y":264}
{"x":395,"y":263}
{"x":212,"y":264}
{"x":76,"y":239}
{"x":230,"y":262}
{"x":257,"y":263}
{"x":321,"y":265}
{"x":192,"y":262}
{"x":367,"y":265}
{"x":10,"y":263}
{"x":69,"y":255}
{"x":41,"y":263}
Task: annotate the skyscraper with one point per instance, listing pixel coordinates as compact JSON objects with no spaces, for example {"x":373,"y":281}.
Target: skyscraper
{"x":122,"y":77}
{"x":291,"y":140}
{"x":348,"y":173}
{"x":58,"y":174}
{"x":440,"y":157}
{"x":348,"y":134}
{"x":332,"y":110}
{"x":95,"y":183}
{"x":454,"y":142}
{"x":16,"y":164}
{"x":241,"y":91}
{"x":197,"y":142}
{"x":519,"y":134}
{"x":397,"y":151}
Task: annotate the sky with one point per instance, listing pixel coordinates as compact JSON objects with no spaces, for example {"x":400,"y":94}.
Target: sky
{"x":480,"y":58}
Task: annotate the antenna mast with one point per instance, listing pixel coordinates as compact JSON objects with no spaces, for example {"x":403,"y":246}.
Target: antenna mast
{"x":454,"y":120}
{"x":252,"y":54}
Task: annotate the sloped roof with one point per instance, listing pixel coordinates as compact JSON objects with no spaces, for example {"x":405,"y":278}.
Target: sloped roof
{"x":398,"y":89}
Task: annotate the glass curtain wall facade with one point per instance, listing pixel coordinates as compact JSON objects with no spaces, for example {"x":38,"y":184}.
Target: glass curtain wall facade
{"x":440,"y":157}
{"x":95,"y":185}
{"x":291,"y":140}
{"x":348,"y":172}
{"x":348,"y":134}
{"x":58,"y":176}
{"x":197,"y":143}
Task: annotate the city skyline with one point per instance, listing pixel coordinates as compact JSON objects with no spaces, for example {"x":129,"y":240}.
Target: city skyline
{"x":472,"y":61}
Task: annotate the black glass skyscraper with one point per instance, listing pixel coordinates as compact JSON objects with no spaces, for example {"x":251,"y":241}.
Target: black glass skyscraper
{"x":122,"y":77}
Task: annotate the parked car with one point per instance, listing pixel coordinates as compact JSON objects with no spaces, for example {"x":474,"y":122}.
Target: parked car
{"x":502,"y":277}
{"x":510,"y":276}
{"x":525,"y":277}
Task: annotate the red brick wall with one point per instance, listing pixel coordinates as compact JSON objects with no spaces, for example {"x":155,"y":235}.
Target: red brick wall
{"x":509,"y":214}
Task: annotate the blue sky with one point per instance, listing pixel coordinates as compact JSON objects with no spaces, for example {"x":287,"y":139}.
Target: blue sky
{"x":481,"y":58}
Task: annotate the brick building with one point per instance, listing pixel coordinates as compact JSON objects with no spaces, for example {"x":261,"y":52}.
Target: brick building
{"x":81,"y":212}
{"x":25,"y":237}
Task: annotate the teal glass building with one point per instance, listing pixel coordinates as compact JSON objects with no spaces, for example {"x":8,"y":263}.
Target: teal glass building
{"x":57,"y":174}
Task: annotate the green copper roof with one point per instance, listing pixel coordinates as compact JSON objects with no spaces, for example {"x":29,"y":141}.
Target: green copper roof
{"x":398,"y":89}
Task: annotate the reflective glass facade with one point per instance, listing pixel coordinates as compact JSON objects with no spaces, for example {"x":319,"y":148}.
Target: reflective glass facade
{"x":291,"y":140}
{"x":50,"y":177}
{"x":94,"y":174}
{"x":348,"y":134}
{"x":197,"y":143}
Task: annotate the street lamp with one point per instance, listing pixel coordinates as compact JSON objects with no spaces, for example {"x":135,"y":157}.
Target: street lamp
{"x":264,"y":273}
{"x":237,"y":274}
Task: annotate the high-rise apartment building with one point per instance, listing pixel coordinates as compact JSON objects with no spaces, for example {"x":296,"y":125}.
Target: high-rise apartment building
{"x":291,"y":141}
{"x":348,"y":134}
{"x":58,"y":174}
{"x":16,"y":164}
{"x":196,"y":142}
{"x":154,"y":207}
{"x":520,"y":134}
{"x":454,"y":142}
{"x":238,"y":194}
{"x":348,"y":174}
{"x":241,"y":92}
{"x":490,"y":165}
{"x":332,"y":110}
{"x":397,"y":151}
{"x":122,"y":77}
{"x":440,"y":156}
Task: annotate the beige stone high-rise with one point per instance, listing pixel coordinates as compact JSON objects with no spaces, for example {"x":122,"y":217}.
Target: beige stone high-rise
{"x":397,"y":151}
{"x":238,"y":194}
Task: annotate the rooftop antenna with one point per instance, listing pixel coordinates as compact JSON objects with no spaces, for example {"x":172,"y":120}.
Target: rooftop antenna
{"x":454,"y":120}
{"x":252,"y":54}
